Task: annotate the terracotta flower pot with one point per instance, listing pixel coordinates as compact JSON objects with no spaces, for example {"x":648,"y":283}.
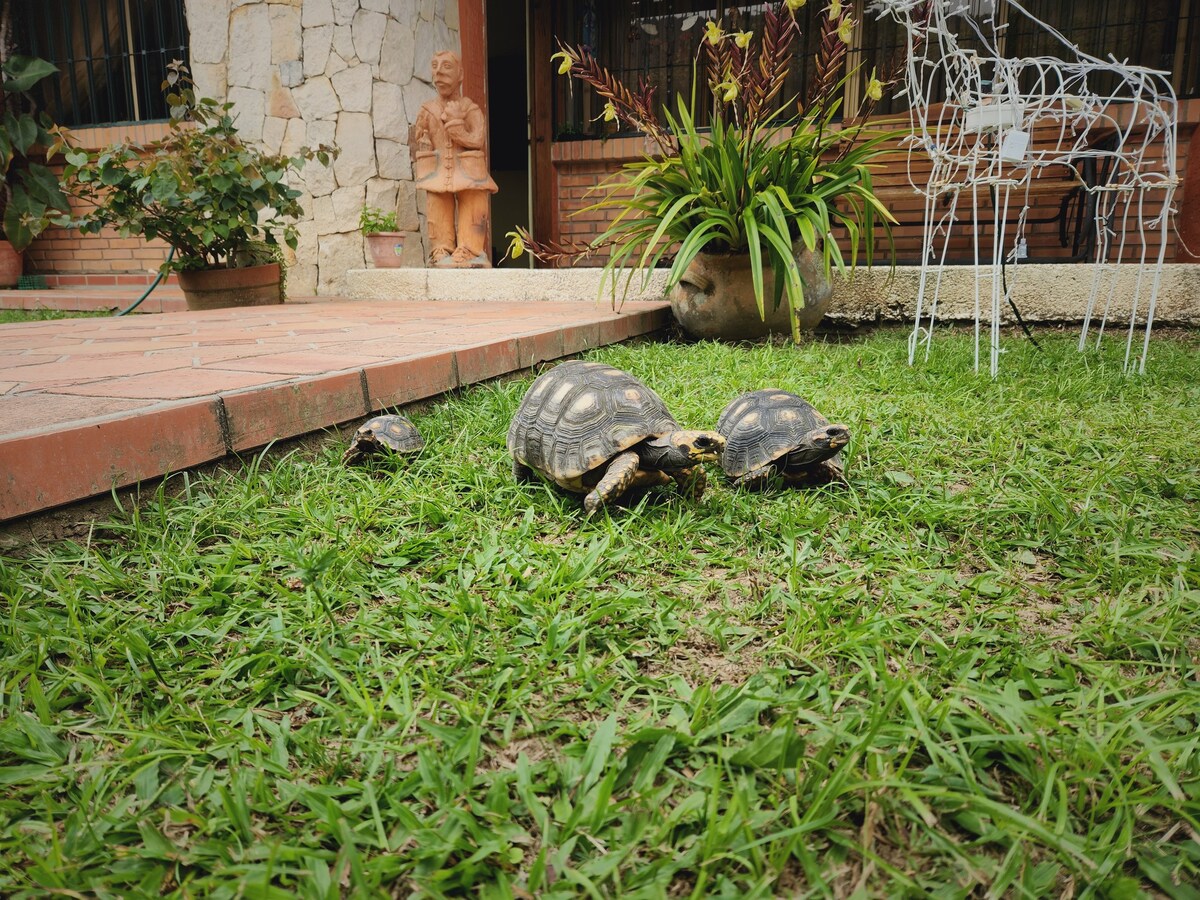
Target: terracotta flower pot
{"x":223,"y":288}
{"x":715,"y":298}
{"x":386,"y":247}
{"x":10,"y":265}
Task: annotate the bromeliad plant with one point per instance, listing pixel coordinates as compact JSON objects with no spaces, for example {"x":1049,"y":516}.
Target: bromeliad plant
{"x":770,"y":172}
{"x":218,"y":201}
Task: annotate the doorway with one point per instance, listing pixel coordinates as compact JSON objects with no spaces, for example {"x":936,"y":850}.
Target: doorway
{"x":508,"y":121}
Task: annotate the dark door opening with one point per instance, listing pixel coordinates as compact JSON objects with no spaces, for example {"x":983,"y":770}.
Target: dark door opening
{"x":508,"y":121}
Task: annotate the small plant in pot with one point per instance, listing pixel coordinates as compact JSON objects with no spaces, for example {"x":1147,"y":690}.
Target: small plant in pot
{"x":31,"y":197}
{"x":384,"y":240}
{"x":755,"y":211}
{"x":223,"y":206}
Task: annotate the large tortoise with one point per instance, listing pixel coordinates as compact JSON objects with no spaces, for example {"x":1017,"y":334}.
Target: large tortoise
{"x":598,"y":431}
{"x":383,"y":434}
{"x":771,"y":432}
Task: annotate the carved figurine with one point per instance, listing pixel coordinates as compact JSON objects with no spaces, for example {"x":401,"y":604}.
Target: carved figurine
{"x":449,"y":163}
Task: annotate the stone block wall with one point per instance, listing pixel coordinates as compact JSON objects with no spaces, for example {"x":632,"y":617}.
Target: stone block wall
{"x":346,"y":72}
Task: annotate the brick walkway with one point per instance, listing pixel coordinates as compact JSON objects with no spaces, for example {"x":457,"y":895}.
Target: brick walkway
{"x":89,"y":404}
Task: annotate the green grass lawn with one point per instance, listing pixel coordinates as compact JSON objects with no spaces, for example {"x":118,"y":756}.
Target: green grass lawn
{"x":974,"y":670}
{"x":8,"y":316}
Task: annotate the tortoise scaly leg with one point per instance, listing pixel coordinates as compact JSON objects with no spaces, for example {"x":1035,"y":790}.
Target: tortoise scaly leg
{"x":648,"y":478}
{"x":828,"y":471}
{"x":692,"y":482}
{"x":754,"y":479}
{"x":619,"y":475}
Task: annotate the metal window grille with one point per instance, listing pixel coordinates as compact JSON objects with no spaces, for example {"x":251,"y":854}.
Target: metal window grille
{"x":1144,"y":33}
{"x":1161,"y":34}
{"x":656,"y":40}
{"x":111,"y":55}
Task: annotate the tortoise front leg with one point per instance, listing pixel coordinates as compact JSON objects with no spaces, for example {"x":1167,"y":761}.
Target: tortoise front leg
{"x":829,"y":471}
{"x":754,"y":479}
{"x":692,"y":482}
{"x":619,"y":475}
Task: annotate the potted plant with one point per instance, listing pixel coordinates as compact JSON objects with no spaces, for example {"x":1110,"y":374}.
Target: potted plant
{"x":223,"y":206}
{"x":776,"y":193}
{"x":384,"y":240}
{"x":31,"y":197}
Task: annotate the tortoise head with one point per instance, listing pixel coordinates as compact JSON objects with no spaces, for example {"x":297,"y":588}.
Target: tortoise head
{"x":819,"y":444}
{"x":681,"y":449}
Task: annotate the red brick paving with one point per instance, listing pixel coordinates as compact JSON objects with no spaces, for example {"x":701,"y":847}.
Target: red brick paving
{"x":91,"y":404}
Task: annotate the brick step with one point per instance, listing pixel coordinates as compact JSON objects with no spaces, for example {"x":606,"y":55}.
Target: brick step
{"x":164,"y":298}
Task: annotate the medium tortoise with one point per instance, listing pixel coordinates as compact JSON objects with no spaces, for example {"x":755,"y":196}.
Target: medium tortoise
{"x":383,"y":433}
{"x":598,"y":431}
{"x":777,"y":432}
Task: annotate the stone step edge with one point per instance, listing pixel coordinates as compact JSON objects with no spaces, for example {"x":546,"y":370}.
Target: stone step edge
{"x":70,"y":463}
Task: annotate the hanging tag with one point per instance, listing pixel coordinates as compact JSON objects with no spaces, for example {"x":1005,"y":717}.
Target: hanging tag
{"x":1014,"y":146}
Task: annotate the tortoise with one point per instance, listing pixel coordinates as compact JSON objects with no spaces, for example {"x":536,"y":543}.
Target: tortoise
{"x":389,"y":433}
{"x":771,"y":431}
{"x":598,"y":431}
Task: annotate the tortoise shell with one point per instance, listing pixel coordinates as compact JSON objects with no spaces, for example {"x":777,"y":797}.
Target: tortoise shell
{"x":579,"y":415}
{"x":762,"y":427}
{"x":384,"y":433}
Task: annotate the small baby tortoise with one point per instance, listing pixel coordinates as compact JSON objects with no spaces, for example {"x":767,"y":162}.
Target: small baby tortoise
{"x":383,"y":433}
{"x":598,"y":431}
{"x":773,"y":431}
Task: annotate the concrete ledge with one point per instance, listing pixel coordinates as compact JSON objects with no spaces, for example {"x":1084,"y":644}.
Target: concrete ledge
{"x":492,"y":284}
{"x":1044,"y":293}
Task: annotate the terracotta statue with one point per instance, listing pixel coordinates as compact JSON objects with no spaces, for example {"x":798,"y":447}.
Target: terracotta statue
{"x":448,"y":141}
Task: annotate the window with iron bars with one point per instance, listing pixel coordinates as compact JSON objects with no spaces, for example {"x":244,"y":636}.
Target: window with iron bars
{"x":1160,"y":34}
{"x":111,"y":55}
{"x":656,"y":40}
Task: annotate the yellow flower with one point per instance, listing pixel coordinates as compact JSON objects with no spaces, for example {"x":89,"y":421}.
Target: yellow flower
{"x":835,"y":9}
{"x":610,"y":112}
{"x":874,"y":87}
{"x":565,"y":66}
{"x":846,"y":30}
{"x":713,"y":32}
{"x":742,"y":38}
{"x":726,"y":90}
{"x":516,"y":246}
{"x":794,"y":5}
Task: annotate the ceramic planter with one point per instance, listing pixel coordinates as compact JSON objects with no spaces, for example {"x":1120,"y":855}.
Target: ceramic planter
{"x":386,"y":247}
{"x":10,"y":265}
{"x":715,"y":298}
{"x":223,"y":288}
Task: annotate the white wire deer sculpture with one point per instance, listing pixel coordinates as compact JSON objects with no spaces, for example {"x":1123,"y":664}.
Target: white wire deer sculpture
{"x":988,"y":125}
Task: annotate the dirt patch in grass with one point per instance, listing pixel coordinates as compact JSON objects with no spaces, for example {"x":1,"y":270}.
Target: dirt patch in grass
{"x":697,"y":658}
{"x":535,"y":748}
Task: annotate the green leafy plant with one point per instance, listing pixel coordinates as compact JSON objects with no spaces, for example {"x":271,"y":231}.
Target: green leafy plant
{"x":769,"y":172}
{"x":373,"y":220}
{"x":219,"y":202}
{"x":31,"y":197}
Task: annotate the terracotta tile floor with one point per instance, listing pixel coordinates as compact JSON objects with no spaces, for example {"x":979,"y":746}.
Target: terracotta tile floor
{"x":89,"y":404}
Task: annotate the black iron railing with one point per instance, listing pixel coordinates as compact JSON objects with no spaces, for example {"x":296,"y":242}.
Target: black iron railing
{"x":111,"y":55}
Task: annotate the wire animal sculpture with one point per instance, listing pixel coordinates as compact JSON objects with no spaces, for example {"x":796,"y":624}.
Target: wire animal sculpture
{"x":989,"y":126}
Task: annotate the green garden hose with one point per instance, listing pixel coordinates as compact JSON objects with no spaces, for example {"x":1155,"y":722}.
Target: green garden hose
{"x":161,"y":273}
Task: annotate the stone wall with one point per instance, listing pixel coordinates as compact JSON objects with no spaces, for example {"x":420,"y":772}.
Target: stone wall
{"x":346,"y":72}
